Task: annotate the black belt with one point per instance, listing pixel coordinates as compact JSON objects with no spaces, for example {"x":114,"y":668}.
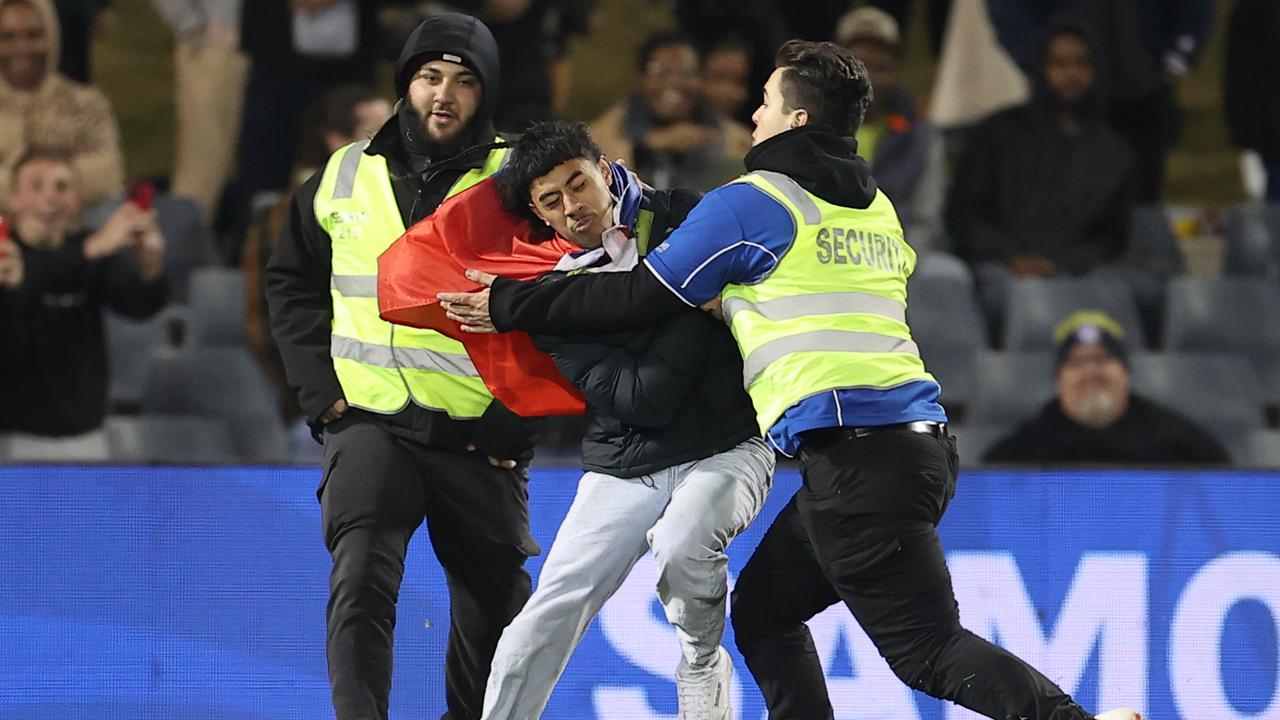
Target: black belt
{"x":826,"y":436}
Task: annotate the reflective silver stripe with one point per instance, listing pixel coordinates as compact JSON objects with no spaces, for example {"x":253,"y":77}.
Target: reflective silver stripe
{"x":346,"y":182}
{"x":355,"y":285}
{"x":387,"y":356}
{"x":829,"y":303}
{"x":823,"y":341}
{"x":792,"y":191}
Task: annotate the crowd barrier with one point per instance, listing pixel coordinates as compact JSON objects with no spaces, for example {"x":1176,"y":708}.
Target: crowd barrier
{"x":199,"y":593}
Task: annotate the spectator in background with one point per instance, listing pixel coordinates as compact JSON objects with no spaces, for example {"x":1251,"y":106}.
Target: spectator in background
{"x":1095,"y":417}
{"x":667,"y":132}
{"x":297,"y":50}
{"x":42,"y":108}
{"x":726,"y":72}
{"x":209,"y":78}
{"x":1253,"y":84}
{"x":904,"y":149}
{"x":1144,"y":49}
{"x":341,"y":116}
{"x":54,"y":283}
{"x":79,"y":21}
{"x":1044,"y":189}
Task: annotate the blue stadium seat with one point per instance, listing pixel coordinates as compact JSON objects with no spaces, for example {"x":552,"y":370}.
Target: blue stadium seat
{"x":1011,"y":387}
{"x":1036,"y":306}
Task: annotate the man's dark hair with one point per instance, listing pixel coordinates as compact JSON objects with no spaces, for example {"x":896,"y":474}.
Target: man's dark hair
{"x":827,"y":81}
{"x":335,"y":112}
{"x":535,"y":153}
{"x":660,"y":40}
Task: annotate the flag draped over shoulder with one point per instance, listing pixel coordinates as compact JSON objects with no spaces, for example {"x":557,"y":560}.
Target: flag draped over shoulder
{"x":471,"y":230}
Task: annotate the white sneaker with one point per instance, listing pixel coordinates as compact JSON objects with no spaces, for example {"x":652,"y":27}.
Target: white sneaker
{"x":703,"y":692}
{"x":1119,"y":715}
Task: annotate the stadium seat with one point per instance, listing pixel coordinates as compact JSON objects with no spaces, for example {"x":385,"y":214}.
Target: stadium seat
{"x":948,"y":325}
{"x":130,"y":344}
{"x":1216,"y":390}
{"x":188,"y":242}
{"x":171,"y":439}
{"x":1011,"y":387}
{"x":1253,"y":240}
{"x":1153,"y":247}
{"x":1261,"y":449}
{"x":217,"y":308}
{"x":1036,"y":306}
{"x":1225,"y":315}
{"x":224,"y":383}
{"x":1231,"y":315}
{"x":973,"y":440}
{"x":937,"y":265}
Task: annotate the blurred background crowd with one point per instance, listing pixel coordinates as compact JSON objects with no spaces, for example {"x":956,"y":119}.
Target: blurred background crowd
{"x":1092,"y":187}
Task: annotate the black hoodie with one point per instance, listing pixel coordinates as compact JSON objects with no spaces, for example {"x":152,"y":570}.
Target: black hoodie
{"x":297,"y":276}
{"x":822,"y":162}
{"x":1027,"y":186}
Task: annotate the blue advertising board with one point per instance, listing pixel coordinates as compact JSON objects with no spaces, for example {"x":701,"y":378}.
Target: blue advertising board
{"x":199,"y":593}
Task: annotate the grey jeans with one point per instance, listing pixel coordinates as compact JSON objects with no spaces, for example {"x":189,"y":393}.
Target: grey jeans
{"x":687,"y":514}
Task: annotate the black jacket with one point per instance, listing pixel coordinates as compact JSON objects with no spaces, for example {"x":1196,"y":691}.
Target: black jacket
{"x":821,"y":161}
{"x":659,"y":396}
{"x":56,"y":367}
{"x":1147,"y":434}
{"x":1253,"y":77}
{"x":297,"y":276}
{"x":1027,"y":186}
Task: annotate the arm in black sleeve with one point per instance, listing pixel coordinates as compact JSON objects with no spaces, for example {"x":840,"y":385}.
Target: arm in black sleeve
{"x":301,"y":309}
{"x":642,"y":389}
{"x":124,"y":289}
{"x":587,"y":303}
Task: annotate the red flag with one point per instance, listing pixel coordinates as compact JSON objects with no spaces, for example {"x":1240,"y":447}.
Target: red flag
{"x":471,"y":230}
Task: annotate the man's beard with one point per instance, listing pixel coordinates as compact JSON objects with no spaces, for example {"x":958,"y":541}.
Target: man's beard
{"x":423,"y":150}
{"x":1098,"y":409}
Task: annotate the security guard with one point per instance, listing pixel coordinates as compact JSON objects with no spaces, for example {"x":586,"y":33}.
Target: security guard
{"x":409,"y":429}
{"x":810,"y":262}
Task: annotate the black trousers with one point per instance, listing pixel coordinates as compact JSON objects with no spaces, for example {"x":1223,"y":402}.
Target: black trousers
{"x":862,"y":531}
{"x":376,"y":491}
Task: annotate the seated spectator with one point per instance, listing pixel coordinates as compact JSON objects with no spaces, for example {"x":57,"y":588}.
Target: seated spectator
{"x":54,"y":283}
{"x":667,"y":132}
{"x":1095,"y":417}
{"x":905,"y":150}
{"x":1044,"y":189}
{"x":341,"y":116}
{"x":726,"y":78}
{"x":41,"y":108}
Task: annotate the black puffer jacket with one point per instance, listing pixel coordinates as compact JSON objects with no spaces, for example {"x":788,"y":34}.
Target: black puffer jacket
{"x":661,"y":396}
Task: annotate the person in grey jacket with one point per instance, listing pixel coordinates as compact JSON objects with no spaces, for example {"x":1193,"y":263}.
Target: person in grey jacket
{"x":673,"y":458}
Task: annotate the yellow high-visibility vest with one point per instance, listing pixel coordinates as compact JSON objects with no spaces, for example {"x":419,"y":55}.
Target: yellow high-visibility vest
{"x":832,"y":314}
{"x":383,"y":367}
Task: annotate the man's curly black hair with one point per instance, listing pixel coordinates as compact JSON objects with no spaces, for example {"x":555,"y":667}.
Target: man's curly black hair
{"x":535,"y":153}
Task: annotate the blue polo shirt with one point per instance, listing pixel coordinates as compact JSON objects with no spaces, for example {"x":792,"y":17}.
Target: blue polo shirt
{"x":738,"y":234}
